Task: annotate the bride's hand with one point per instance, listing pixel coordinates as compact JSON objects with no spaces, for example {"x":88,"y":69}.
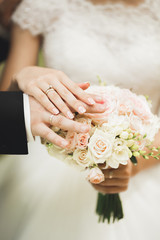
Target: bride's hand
{"x":56,"y":92}
{"x":116,"y":180}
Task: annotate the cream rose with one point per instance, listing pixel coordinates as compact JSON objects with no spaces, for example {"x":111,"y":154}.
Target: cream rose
{"x":121,"y":152}
{"x":100,"y":146}
{"x":95,"y":176}
{"x":81,"y":157}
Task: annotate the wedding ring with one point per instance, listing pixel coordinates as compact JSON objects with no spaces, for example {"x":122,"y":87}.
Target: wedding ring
{"x":110,"y":175}
{"x":50,"y":88}
{"x":51,"y":118}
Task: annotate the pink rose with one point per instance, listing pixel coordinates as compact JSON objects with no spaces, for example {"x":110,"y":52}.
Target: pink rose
{"x":95,"y":176}
{"x":123,"y":109}
{"x":82,"y":140}
{"x":141,"y":108}
{"x":71,"y":137}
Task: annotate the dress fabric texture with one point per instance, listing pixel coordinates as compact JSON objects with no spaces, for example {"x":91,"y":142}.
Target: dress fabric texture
{"x":42,"y":197}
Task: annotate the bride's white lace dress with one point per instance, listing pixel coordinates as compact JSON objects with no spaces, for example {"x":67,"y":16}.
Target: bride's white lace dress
{"x":42,"y":198}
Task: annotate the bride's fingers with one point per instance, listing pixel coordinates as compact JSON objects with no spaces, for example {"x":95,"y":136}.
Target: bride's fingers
{"x":54,"y":97}
{"x":97,"y":108}
{"x":109,"y":190}
{"x":114,"y":182}
{"x":84,"y":85}
{"x":65,"y":123}
{"x":69,"y":98}
{"x":97,"y":98}
{"x":123,"y":172}
{"x":76,"y":90}
{"x":43,"y":99}
{"x":46,"y":133}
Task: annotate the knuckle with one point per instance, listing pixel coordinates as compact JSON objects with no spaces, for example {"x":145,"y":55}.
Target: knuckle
{"x":64,"y":109}
{"x":42,"y":96}
{"x":127,"y":172}
{"x":65,"y":92}
{"x":124,"y":188}
{"x":57,"y":141}
{"x":77,"y":104}
{"x":48,"y":76}
{"x":53,"y":96}
{"x":76,"y":126}
{"x":59,"y":121}
{"x":48,"y":134}
{"x":31,"y":85}
{"x":77,"y":89}
{"x":60,"y":73}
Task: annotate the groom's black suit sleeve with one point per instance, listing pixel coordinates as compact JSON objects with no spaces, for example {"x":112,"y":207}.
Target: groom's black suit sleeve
{"x":12,"y":125}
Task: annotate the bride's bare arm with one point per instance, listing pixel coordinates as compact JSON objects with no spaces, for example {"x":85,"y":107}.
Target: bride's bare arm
{"x":23,"y":52}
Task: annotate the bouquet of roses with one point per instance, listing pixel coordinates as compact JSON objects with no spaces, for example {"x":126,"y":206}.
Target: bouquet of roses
{"x":117,"y":135}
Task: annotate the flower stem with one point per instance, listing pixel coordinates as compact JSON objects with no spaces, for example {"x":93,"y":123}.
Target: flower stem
{"x":109,"y":207}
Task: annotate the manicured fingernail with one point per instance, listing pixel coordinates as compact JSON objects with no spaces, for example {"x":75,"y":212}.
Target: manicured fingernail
{"x":91,"y":101}
{"x":70,"y":115}
{"x":98,"y":98}
{"x":55,"y":111}
{"x":81,"y":109}
{"x":64,"y":143}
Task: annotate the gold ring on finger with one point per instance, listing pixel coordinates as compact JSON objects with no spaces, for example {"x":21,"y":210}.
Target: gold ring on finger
{"x":51,"y":118}
{"x":50,"y":88}
{"x":110,"y":175}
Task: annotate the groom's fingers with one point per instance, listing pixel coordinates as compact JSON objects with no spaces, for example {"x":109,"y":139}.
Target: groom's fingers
{"x":46,"y":133}
{"x":66,"y":124}
{"x":75,"y":89}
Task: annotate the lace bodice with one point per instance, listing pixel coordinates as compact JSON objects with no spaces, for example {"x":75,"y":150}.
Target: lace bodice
{"x":119,"y":43}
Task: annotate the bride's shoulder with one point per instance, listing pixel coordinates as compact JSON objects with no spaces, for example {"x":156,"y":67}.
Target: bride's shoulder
{"x":36,"y":15}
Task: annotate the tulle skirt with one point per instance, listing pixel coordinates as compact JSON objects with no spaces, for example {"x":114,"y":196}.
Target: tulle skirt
{"x":42,"y":198}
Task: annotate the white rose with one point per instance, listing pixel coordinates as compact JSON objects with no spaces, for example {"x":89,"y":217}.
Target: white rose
{"x":82,"y":158}
{"x":124,"y":135}
{"x":136,"y":123}
{"x":100,"y":146}
{"x":121,"y":152}
{"x":130,"y":143}
{"x":112,"y":162}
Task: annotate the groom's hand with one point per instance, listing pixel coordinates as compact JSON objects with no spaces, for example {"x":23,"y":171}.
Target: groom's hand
{"x":42,"y":120}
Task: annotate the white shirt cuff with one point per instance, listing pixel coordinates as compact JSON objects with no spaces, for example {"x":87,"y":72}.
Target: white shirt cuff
{"x":27,"y":117}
